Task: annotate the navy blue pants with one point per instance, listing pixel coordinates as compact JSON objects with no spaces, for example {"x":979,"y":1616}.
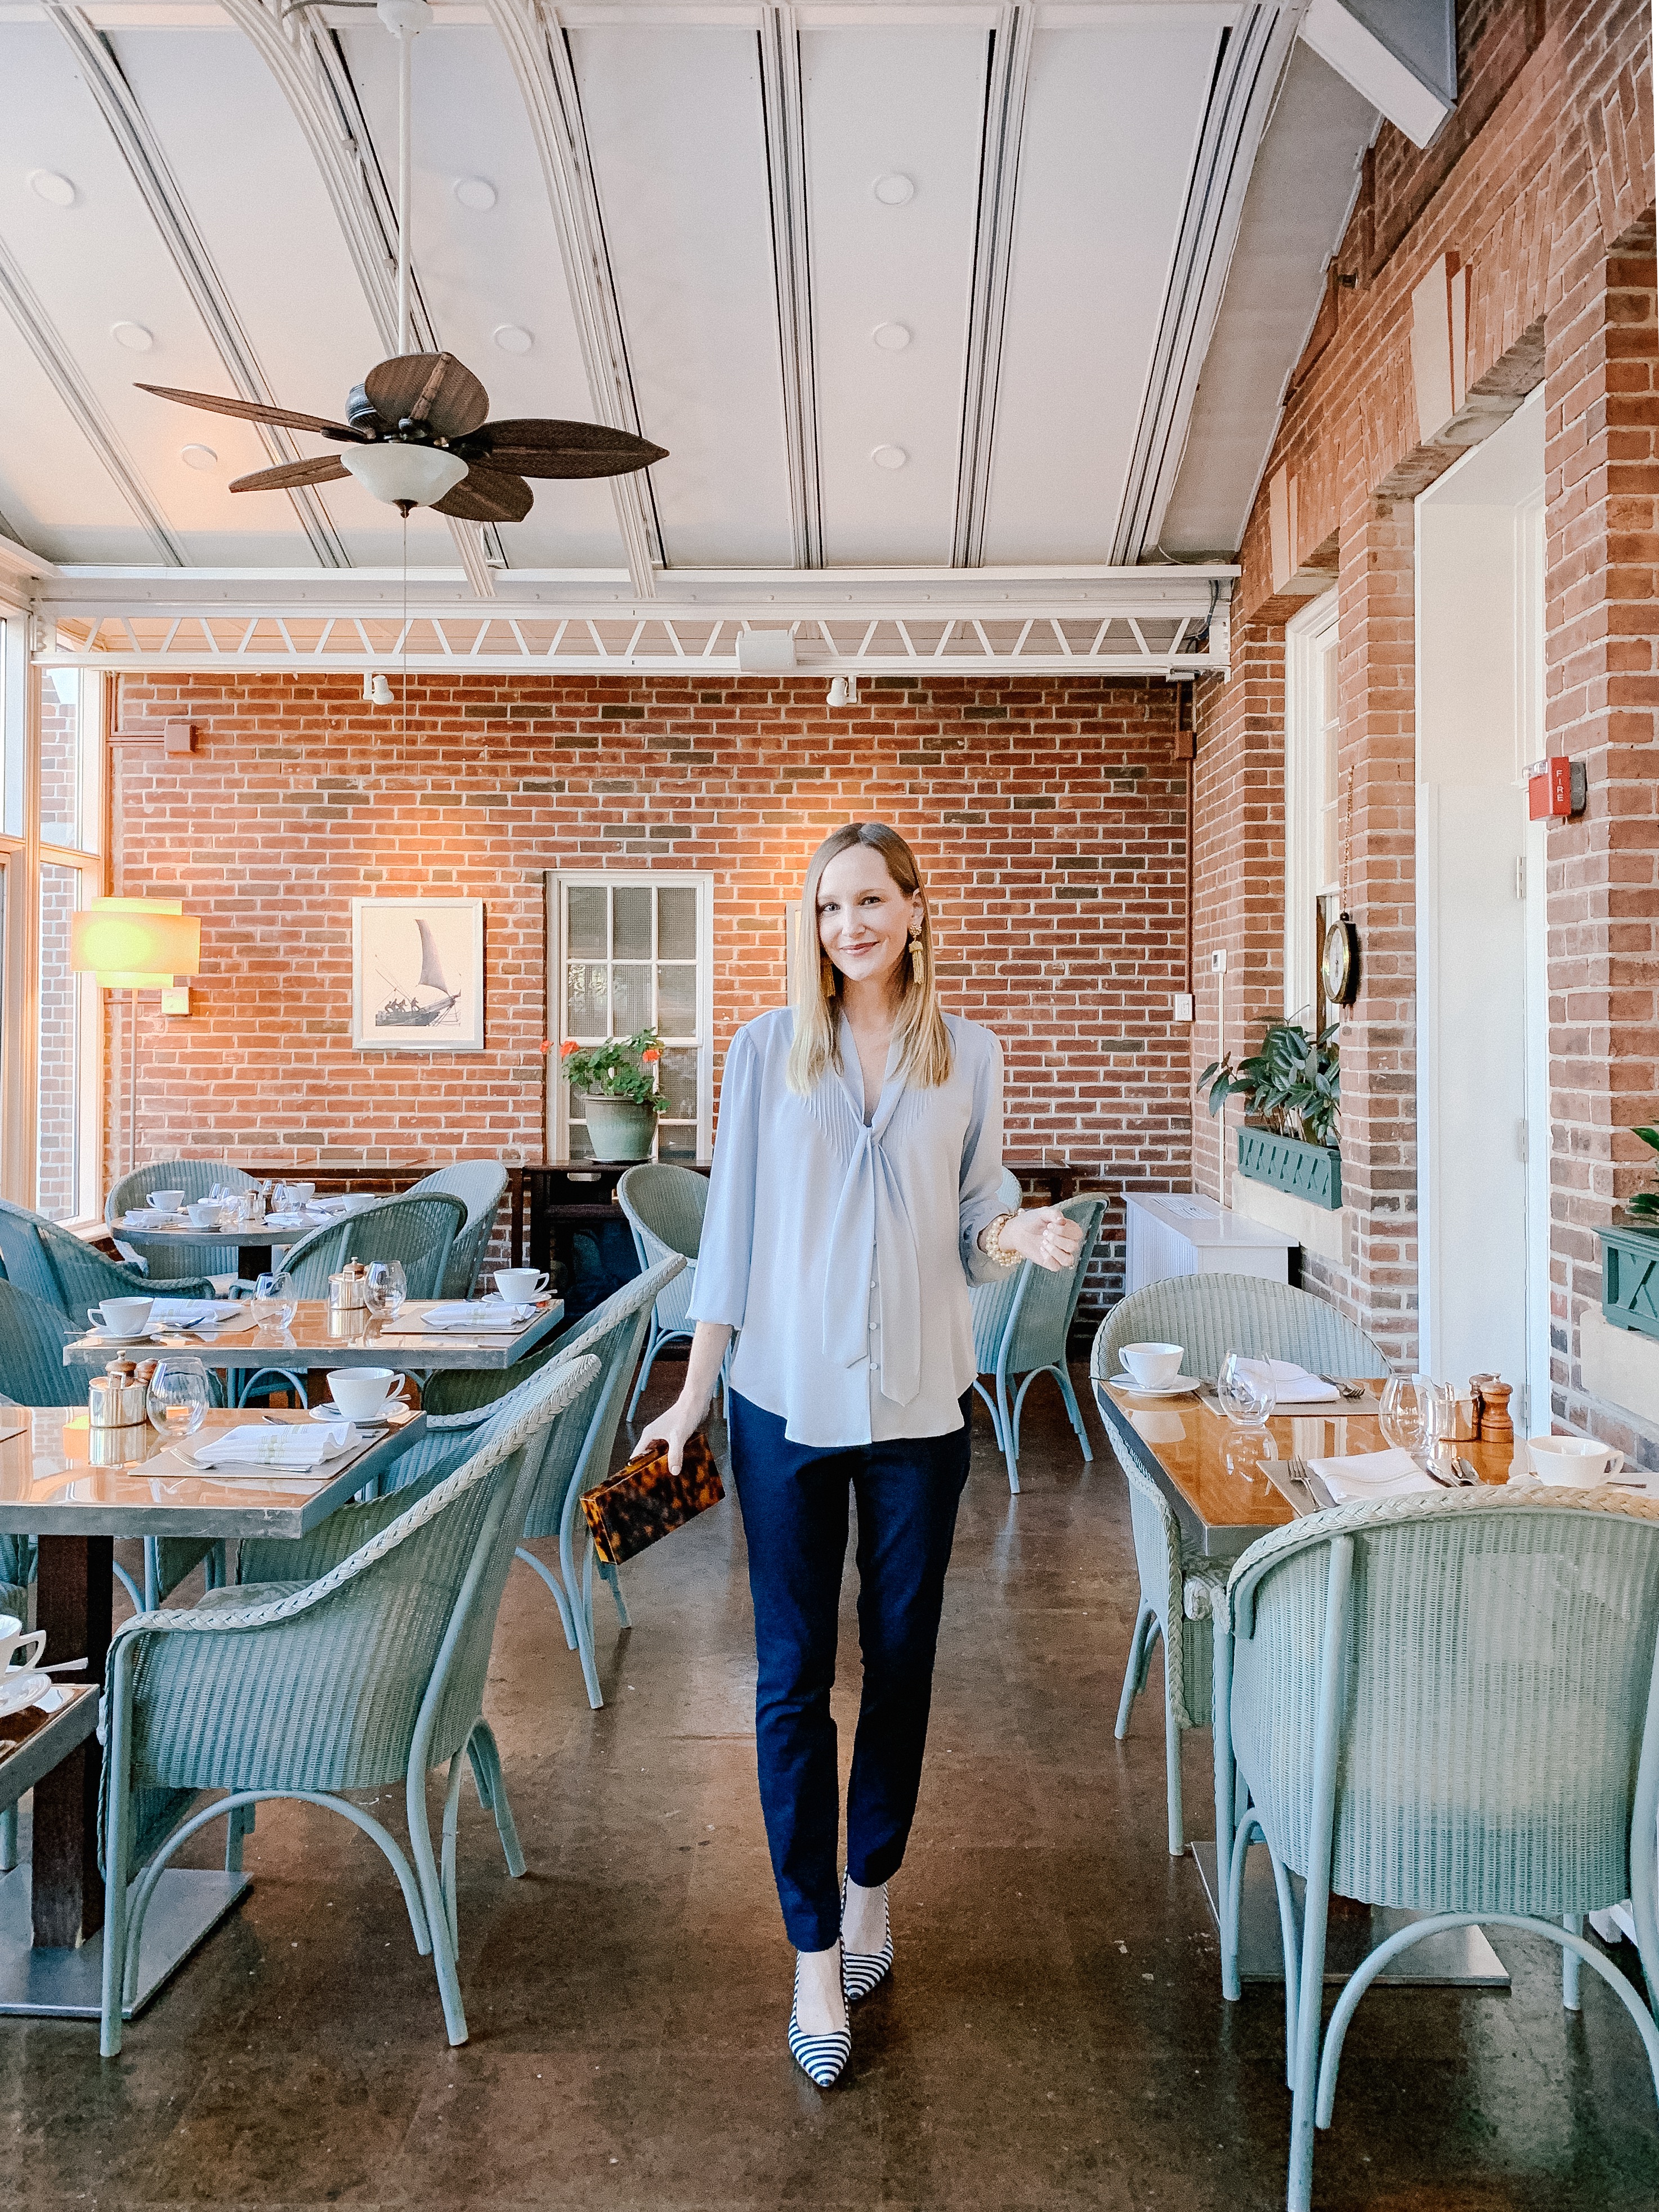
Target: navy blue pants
{"x":793,"y":1499}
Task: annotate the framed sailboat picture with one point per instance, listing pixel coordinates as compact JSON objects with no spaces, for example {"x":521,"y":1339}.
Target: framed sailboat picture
{"x":417,"y":975}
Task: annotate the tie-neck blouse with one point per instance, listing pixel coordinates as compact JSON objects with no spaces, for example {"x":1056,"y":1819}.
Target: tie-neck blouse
{"x":842,"y":1250}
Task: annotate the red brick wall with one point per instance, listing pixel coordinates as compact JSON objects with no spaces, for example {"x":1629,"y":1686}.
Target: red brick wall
{"x":1050,"y":818}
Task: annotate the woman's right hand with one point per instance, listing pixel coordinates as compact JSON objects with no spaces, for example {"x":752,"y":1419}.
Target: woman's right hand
{"x":708,"y":1341}
{"x":675,"y":1428}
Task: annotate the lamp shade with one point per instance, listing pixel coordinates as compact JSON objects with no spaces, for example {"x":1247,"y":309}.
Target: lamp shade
{"x":134,"y":944}
{"x":404,"y":475}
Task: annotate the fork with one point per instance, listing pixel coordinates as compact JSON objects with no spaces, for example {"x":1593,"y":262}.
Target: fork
{"x":1296,"y":1470}
{"x":1344,"y":1388}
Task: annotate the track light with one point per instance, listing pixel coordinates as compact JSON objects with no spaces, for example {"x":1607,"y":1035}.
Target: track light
{"x":843,"y":691}
{"x":377,"y":692}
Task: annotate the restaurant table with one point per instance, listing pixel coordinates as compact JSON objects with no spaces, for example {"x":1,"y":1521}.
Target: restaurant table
{"x":253,"y":1246}
{"x":63,"y":1482}
{"x":317,"y":1338}
{"x":1223,"y":1484}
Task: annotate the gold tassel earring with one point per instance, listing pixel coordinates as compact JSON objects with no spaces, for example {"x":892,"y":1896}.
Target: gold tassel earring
{"x":915,"y":953}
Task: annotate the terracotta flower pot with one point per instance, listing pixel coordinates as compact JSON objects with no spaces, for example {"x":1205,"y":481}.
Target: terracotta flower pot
{"x":619,"y":1129}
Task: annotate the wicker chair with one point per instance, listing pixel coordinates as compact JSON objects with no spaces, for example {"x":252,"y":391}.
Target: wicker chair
{"x":478,"y":1184}
{"x":370,"y":1674}
{"x":418,"y":1232}
{"x":1449,"y":1705}
{"x":196,"y":1178}
{"x":665,"y":1207}
{"x":67,"y":1273}
{"x":1020,"y":1329}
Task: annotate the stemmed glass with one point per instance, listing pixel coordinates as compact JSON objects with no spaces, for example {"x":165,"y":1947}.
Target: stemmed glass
{"x":1246,"y":1390}
{"x":1417,"y":1414}
{"x":177,"y":1398}
{"x":275,"y":1301}
{"x":384,"y":1287}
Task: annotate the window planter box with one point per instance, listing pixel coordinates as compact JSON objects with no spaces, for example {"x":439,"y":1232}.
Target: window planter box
{"x":1630,"y":1276}
{"x":1310,"y":1171}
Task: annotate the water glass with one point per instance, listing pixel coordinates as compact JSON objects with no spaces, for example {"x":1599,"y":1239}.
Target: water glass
{"x":384,"y":1287}
{"x":275,"y":1300}
{"x":1245,"y":1389}
{"x":1417,"y":1414}
{"x":178,"y":1397}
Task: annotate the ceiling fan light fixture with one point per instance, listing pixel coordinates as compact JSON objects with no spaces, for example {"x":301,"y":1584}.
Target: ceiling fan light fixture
{"x":404,"y":475}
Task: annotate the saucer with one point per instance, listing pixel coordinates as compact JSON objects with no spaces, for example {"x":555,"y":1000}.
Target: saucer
{"x":125,"y":1336}
{"x":18,"y":1689}
{"x":333,"y":1413}
{"x":1180,"y":1388}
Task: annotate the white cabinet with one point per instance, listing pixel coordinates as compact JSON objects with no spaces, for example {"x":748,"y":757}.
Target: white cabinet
{"x":1179,"y":1233}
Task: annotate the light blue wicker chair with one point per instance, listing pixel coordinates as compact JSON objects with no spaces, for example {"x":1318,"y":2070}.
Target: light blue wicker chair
{"x":418,"y":1232}
{"x":371,"y":1675}
{"x":1210,"y":1315}
{"x":51,"y":1263}
{"x":1020,"y":1329}
{"x":1449,"y":1705}
{"x":196,"y":1178}
{"x":665,"y":1209}
{"x":478,"y":1184}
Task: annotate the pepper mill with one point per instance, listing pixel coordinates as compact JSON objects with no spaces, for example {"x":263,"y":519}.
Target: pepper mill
{"x":1497,"y":1426}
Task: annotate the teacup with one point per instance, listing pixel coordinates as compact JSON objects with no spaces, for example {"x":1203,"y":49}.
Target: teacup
{"x":207,"y":1213}
{"x":121,"y":1316}
{"x":518,"y":1286}
{"x":361,"y":1392}
{"x":165,"y":1202}
{"x":15,"y":1647}
{"x":1153,"y":1366}
{"x":1576,"y":1462}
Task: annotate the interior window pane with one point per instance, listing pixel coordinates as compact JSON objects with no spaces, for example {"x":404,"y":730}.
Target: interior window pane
{"x":677,"y":1140}
{"x":676,"y":925}
{"x":632,"y":911}
{"x":585,"y":922}
{"x":56,"y":1177}
{"x":677,"y":1078}
{"x":581,"y":1145}
{"x":60,"y":755}
{"x":630,"y":994}
{"x":585,"y":999}
{"x":677,"y":1001}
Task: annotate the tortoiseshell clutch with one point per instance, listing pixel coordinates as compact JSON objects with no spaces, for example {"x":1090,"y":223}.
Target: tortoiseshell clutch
{"x":643,"y":1502}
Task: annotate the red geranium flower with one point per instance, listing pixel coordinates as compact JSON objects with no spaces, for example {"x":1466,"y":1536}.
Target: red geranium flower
{"x":568,"y":1047}
{"x":650,"y":1054}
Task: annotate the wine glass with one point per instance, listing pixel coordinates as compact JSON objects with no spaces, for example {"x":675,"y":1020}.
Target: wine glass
{"x":178,"y":1399}
{"x":1246,"y":1390}
{"x":275,"y":1301}
{"x":1417,"y":1414}
{"x":384,"y":1287}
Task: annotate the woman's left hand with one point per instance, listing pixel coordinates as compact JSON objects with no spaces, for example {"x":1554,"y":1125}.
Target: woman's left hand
{"x":1045,"y":1235}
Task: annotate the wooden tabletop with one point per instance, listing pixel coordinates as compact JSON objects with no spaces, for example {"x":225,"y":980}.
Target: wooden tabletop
{"x":1217,"y":1476}
{"x":316,"y":1338}
{"x":51,"y":1486}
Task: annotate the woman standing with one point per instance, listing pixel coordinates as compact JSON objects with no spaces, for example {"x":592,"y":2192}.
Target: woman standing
{"x":855,"y":1195}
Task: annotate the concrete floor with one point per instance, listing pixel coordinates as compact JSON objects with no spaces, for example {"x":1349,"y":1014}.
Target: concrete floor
{"x":1054,"y":2035}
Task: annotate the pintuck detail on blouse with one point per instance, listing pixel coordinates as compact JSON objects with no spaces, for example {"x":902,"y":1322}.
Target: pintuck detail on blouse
{"x":842,"y":1250}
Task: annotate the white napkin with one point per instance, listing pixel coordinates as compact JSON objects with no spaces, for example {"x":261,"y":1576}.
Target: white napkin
{"x":465,"y":1316}
{"x":1294,"y":1385}
{"x":1370,"y":1474}
{"x":189,"y":1313}
{"x":286,"y":1221}
{"x":288,"y":1446}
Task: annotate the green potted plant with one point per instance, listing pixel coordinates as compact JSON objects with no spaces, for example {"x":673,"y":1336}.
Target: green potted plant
{"x":617,"y":1082}
{"x":1645,"y":1204}
{"x":1291,"y":1090}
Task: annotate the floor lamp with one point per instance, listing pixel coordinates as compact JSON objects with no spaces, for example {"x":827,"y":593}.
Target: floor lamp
{"x":133,"y":945}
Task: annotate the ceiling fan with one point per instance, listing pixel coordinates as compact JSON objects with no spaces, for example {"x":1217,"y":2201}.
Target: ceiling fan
{"x":416,"y":431}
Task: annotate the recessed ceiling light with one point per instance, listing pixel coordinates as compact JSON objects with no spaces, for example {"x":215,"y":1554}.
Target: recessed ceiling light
{"x":511,"y":340}
{"x":199,"y":457}
{"x":890,"y":456}
{"x":47,"y":185}
{"x":133,"y":336}
{"x":893,"y":190}
{"x":891,"y":337}
{"x":475,"y":192}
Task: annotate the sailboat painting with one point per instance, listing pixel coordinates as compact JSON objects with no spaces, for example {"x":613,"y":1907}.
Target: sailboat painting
{"x":417,"y":975}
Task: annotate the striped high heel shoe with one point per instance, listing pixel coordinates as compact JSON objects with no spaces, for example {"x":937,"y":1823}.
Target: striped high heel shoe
{"x":822,"y":2058}
{"x":861,"y":1971}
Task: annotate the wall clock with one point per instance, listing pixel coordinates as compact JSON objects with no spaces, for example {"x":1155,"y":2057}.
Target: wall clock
{"x":1339,"y":963}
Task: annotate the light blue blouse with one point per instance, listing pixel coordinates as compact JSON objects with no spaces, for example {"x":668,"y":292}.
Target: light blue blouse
{"x":842,"y":1250}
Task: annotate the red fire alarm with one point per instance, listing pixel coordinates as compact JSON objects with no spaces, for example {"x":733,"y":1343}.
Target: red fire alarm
{"x":1555,"y":789}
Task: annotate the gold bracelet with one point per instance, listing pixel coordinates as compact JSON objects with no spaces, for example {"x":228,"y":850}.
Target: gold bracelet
{"x":991,"y":1244}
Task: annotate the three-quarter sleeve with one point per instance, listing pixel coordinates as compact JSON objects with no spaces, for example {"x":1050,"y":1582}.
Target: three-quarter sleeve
{"x":982,"y":1199}
{"x":728,"y":1244}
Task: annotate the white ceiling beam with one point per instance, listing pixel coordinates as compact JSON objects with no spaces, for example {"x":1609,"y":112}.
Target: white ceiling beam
{"x":786,"y":165}
{"x":170,"y":213}
{"x":540,"y":55}
{"x":1253,"y":59}
{"x":1402,"y":55}
{"x":999,"y":174}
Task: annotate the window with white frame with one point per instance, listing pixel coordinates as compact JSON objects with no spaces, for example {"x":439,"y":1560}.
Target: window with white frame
{"x":51,"y":863}
{"x":1313,"y":722}
{"x":630,"y":952}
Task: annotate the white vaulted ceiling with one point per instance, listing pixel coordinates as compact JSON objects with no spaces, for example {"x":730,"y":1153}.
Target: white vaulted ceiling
{"x":906,"y":285}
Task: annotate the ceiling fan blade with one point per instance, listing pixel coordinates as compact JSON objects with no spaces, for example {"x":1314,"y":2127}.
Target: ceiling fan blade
{"x":255,"y":410}
{"x":323,"y":470}
{"x":486,"y":496}
{"x":533,"y":447}
{"x":433,"y":388}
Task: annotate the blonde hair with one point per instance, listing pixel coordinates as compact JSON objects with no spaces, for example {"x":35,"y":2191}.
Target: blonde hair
{"x":924,"y":1040}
